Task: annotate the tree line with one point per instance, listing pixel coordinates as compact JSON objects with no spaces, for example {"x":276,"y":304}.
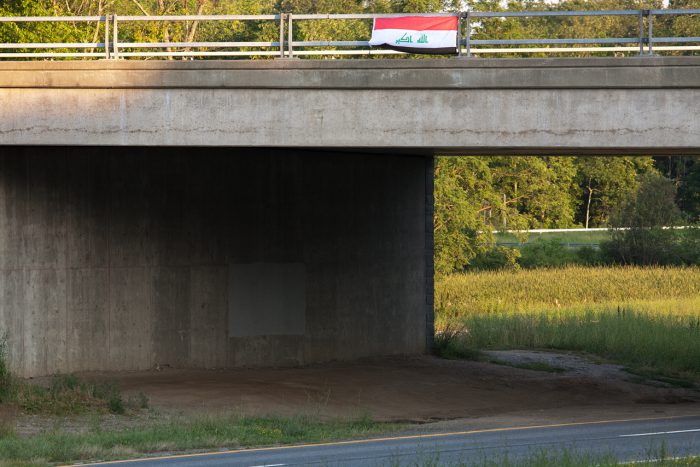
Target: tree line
{"x":511,"y":28}
{"x":475,"y":196}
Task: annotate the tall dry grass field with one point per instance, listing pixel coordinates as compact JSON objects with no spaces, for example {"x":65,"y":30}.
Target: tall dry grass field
{"x":550,"y":289}
{"x":647,"y":318}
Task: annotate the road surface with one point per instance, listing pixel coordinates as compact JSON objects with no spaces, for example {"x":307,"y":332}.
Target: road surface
{"x":627,"y":440}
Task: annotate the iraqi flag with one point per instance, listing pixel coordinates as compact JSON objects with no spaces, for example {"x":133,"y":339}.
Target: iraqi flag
{"x":416,"y":34}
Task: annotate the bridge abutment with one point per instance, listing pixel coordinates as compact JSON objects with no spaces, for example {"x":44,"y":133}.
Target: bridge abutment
{"x":127,"y":258}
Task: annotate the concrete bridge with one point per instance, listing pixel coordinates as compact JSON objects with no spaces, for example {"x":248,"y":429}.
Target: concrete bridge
{"x":214,"y":214}
{"x":605,"y":105}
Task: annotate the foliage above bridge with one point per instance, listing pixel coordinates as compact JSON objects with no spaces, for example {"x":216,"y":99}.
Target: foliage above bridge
{"x":536,"y":28}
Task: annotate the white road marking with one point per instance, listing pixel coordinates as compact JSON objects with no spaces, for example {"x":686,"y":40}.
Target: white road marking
{"x":656,"y":461}
{"x":268,"y":465}
{"x":659,"y":433}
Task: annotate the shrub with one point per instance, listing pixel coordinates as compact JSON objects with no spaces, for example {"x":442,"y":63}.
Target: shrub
{"x":644,"y":246}
{"x":496,"y":258}
{"x":64,"y":394}
{"x":689,"y":246}
{"x":641,"y":228}
{"x":116,"y":404}
{"x":589,"y":256}
{"x":546,"y":253}
{"x":452,"y":342}
{"x":69,"y":395}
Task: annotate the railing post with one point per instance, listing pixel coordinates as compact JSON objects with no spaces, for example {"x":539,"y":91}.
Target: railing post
{"x":469,"y":33}
{"x":106,"y":36}
{"x":641,"y":32}
{"x":282,"y":15}
{"x":115,"y":40}
{"x":290,"y":36}
{"x":650,"y":35}
{"x":459,"y":34}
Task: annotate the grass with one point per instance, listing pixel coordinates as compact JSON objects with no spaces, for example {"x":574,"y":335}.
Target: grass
{"x":686,"y":462}
{"x":185,"y":434}
{"x":594,"y":237}
{"x":63,"y":395}
{"x":645,"y":318}
{"x":69,"y":395}
{"x":665,"y":345}
{"x":453,"y":343}
{"x":645,"y":374}
{"x":659,"y":289}
{"x":563,"y":457}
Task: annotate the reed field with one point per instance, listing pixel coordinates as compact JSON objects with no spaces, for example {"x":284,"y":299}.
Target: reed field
{"x":645,"y":318}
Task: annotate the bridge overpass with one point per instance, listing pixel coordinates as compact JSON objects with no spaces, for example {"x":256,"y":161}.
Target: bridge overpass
{"x":214,"y":214}
{"x":532,"y":106}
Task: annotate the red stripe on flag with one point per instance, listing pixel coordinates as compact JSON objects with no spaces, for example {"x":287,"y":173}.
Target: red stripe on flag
{"x":418,"y":23}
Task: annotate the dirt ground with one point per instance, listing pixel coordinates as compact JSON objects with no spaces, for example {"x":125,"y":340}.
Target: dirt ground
{"x":416,"y":389}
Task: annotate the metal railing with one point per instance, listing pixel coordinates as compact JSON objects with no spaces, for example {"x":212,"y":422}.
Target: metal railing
{"x":56,"y":45}
{"x":644,"y":38}
{"x":116,"y":47}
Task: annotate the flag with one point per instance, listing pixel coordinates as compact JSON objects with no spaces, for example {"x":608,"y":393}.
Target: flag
{"x":416,"y":34}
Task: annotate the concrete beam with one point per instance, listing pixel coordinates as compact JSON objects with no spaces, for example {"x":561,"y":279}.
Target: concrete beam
{"x":476,"y":106}
{"x":432,"y":74}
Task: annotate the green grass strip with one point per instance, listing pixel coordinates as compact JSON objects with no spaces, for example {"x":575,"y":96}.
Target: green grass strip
{"x":183,"y":435}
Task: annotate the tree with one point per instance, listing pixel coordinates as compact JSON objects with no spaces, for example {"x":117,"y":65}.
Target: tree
{"x":652,"y":205}
{"x":40,"y":31}
{"x":463,"y":187}
{"x":559,"y":27}
{"x":476,"y":195}
{"x":605,"y":182}
{"x":689,"y":192}
{"x":684,"y":25}
{"x":538,"y":191}
{"x":642,"y":225}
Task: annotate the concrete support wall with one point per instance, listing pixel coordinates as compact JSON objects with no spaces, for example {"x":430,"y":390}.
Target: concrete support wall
{"x":122,"y":258}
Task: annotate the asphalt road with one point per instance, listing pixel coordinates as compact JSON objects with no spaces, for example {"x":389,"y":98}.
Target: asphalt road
{"x":626,"y":440}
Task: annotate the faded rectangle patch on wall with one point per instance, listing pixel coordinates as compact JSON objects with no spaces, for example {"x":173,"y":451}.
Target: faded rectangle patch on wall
{"x":267,"y":299}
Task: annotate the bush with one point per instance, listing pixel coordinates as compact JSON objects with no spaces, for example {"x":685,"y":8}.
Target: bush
{"x":69,"y":395}
{"x":496,"y":258}
{"x":452,"y":342}
{"x":689,"y":246}
{"x":654,"y":246}
{"x":546,"y":253}
{"x":642,"y":228}
{"x":644,"y":247}
{"x":64,"y":395}
{"x":589,"y":256}
{"x":116,"y":405}
{"x":539,"y":254}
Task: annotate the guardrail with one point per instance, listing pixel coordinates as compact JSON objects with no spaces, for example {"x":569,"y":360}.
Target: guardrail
{"x":116,"y":47}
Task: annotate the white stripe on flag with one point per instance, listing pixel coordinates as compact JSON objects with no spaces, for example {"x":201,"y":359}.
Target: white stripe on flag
{"x":430,"y":39}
